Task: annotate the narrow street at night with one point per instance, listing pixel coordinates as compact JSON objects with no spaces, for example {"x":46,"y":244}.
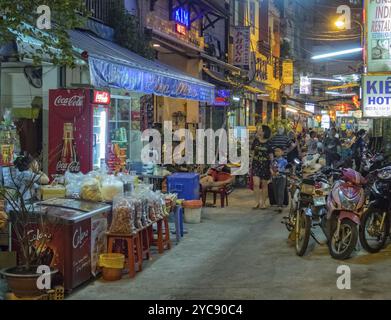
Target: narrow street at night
{"x":239,"y":253}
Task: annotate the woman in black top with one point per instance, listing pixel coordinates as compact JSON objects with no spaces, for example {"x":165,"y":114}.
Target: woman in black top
{"x":261,"y":165}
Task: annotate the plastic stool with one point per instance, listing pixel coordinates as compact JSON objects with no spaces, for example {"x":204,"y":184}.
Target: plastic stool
{"x":134,"y":250}
{"x":163,"y":238}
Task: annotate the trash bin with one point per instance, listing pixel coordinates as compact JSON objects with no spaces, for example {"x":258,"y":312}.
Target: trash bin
{"x":193,"y":210}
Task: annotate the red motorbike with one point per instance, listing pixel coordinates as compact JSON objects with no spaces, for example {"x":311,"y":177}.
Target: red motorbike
{"x":345,"y":206}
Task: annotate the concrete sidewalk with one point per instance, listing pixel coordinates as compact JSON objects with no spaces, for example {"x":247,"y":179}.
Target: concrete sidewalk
{"x":240,"y":253}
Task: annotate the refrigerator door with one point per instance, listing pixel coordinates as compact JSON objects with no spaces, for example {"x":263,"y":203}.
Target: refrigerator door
{"x":99,"y":137}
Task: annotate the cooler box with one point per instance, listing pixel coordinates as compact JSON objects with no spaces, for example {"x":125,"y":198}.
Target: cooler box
{"x":186,"y":185}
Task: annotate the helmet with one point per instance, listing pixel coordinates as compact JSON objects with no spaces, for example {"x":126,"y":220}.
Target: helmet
{"x":353,"y":176}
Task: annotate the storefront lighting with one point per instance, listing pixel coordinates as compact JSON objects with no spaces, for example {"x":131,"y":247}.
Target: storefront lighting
{"x":291,"y":110}
{"x":325,"y":79}
{"x":336,"y":53}
{"x":336,"y":93}
{"x":156,"y":45}
{"x":235,"y":98}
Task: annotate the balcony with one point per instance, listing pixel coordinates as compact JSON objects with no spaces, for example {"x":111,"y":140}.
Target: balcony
{"x":100,"y":9}
{"x":263,"y":48}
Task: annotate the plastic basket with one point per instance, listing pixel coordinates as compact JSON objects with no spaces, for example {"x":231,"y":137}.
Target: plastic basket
{"x":112,"y":260}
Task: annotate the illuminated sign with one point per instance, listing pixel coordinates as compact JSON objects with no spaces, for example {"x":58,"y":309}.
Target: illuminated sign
{"x":310,"y":107}
{"x":222,"y":97}
{"x":101,"y":97}
{"x":377,"y":96}
{"x":182,"y":16}
{"x":180,"y":29}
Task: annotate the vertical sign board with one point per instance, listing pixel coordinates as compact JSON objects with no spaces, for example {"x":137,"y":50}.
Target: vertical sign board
{"x":287,"y":72}
{"x":241,"y":37}
{"x":378,"y":21}
{"x":377,"y":96}
{"x":305,"y":85}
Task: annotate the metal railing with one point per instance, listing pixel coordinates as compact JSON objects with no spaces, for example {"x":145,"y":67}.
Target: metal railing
{"x":100,"y":9}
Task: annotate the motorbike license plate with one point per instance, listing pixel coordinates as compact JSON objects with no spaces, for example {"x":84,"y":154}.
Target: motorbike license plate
{"x":319,"y":201}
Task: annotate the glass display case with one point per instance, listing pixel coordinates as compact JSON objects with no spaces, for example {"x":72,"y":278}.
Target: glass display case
{"x":124,"y":125}
{"x":99,"y":136}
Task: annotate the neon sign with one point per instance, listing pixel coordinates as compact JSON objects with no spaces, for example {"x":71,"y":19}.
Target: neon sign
{"x":180,"y":29}
{"x":182,"y":16}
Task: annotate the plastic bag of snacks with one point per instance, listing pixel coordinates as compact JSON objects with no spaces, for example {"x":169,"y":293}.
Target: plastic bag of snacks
{"x":73,"y":182}
{"x":123,"y":215}
{"x":111,"y":187}
{"x":91,"y":190}
{"x":138,"y":212}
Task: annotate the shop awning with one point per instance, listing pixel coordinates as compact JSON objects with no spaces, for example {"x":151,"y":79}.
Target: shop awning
{"x":116,"y":67}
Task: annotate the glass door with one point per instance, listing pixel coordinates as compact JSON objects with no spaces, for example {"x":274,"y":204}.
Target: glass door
{"x":99,"y":137}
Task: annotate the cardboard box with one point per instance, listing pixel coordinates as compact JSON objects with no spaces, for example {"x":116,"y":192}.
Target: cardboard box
{"x":7,"y":259}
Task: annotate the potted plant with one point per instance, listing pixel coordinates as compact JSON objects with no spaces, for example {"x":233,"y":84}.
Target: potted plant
{"x":31,"y":232}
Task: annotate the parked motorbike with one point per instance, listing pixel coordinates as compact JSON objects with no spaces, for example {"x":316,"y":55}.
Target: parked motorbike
{"x":376,"y":220}
{"x":345,"y":206}
{"x":371,"y":161}
{"x":339,"y":218}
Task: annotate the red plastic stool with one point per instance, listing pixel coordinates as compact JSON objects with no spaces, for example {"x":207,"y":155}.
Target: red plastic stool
{"x":163,"y":238}
{"x":134,"y":251}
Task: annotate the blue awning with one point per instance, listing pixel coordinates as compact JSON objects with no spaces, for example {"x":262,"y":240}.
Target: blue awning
{"x":114,"y":66}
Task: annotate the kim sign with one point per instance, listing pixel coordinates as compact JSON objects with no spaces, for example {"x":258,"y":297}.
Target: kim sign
{"x":377,"y":96}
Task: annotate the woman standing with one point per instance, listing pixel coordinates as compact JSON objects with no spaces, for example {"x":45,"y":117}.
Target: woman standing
{"x":295,"y":150}
{"x":261,"y":165}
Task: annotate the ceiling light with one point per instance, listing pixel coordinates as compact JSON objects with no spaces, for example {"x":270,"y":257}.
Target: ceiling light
{"x":156,"y":45}
{"x":325,"y":79}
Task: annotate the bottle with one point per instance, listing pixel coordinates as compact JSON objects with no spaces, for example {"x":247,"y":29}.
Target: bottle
{"x":68,"y":159}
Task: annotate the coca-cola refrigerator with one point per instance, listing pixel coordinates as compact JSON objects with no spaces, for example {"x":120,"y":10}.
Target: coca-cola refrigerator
{"x":77,"y":129}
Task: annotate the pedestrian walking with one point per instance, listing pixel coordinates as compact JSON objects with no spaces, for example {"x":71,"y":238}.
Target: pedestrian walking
{"x":262,"y":155}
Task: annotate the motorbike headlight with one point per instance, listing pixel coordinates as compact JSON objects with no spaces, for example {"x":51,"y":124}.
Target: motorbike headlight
{"x":346,"y":202}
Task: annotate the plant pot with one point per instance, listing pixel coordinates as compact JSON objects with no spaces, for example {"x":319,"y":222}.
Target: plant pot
{"x":23,"y":283}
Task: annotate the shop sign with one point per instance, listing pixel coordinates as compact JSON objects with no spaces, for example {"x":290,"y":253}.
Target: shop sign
{"x":241,"y":38}
{"x":377,"y":96}
{"x":182,"y":16}
{"x":287,"y":72}
{"x":180,"y":29}
{"x":310,"y":107}
{"x":101,"y":97}
{"x":378,"y":20}
{"x":222,"y":97}
{"x":305,"y":85}
{"x":325,"y":124}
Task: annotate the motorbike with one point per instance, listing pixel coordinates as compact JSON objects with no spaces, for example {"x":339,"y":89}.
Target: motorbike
{"x":345,"y":206}
{"x":376,"y":220}
{"x":339,"y":218}
{"x":311,"y":208}
{"x":371,"y":161}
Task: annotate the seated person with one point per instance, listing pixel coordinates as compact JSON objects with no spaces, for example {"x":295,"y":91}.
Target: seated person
{"x":29,"y":177}
{"x":211,"y":179}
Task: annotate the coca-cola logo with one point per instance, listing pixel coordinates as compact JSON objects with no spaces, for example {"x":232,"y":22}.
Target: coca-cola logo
{"x":79,"y":238}
{"x":101,"y":97}
{"x":74,"y":166}
{"x":74,"y":101}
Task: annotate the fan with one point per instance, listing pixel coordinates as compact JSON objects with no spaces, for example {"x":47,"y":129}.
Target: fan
{"x":34,"y":76}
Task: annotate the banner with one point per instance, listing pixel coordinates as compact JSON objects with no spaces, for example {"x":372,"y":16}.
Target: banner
{"x":241,"y":37}
{"x":287,"y":72}
{"x":377,"y":96}
{"x":305,"y":85}
{"x":378,"y":23}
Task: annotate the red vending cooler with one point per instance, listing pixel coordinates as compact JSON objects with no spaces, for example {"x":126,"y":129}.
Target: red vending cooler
{"x":77,"y":129}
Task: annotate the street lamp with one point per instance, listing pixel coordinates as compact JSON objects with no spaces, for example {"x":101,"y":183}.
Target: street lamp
{"x":341,"y":24}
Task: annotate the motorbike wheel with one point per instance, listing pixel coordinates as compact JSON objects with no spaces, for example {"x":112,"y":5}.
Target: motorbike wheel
{"x":347,"y":239}
{"x":303,"y":232}
{"x":371,"y":237}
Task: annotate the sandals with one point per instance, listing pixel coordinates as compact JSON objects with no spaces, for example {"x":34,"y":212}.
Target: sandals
{"x":257,"y":207}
